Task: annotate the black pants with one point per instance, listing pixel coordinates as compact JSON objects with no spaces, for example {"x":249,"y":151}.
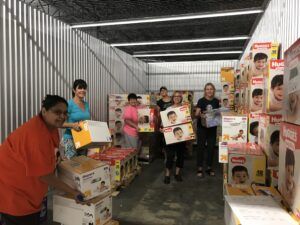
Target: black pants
{"x":32,"y":219}
{"x":206,"y":140}
{"x":177,"y":149}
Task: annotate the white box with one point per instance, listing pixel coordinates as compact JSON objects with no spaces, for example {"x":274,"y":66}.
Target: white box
{"x":146,"y":120}
{"x":289,"y":165}
{"x":175,"y":116}
{"x":253,"y":127}
{"x":66,"y":211}
{"x":269,"y":132}
{"x":246,"y":164}
{"x":89,"y":176}
{"x":292,"y":84}
{"x":273,"y":87}
{"x":115,"y":112}
{"x":223,"y":152}
{"x":92,"y":134}
{"x":227,"y":101}
{"x":234,"y":128}
{"x":256,"y":94}
{"x":261,"y":54}
{"x":179,"y":133}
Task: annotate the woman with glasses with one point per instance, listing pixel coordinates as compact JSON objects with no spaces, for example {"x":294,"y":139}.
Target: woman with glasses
{"x":78,"y":110}
{"x":175,"y":149}
{"x":27,"y":162}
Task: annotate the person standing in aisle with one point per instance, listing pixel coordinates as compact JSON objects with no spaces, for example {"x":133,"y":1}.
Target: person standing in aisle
{"x":206,"y":137}
{"x":28,"y":159}
{"x":130,"y":117}
{"x":177,"y":148}
{"x":78,"y":110}
{"x":162,"y":105}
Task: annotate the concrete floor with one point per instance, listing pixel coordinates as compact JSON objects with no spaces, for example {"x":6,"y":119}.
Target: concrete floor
{"x":148,"y":201}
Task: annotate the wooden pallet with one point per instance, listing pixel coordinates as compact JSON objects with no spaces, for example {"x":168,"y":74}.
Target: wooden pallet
{"x":130,"y":177}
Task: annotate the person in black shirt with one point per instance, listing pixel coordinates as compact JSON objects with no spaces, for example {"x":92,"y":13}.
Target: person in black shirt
{"x":165,"y":101}
{"x":206,"y":137}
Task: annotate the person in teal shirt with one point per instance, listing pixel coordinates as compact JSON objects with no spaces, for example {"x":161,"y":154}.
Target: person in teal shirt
{"x":78,"y":110}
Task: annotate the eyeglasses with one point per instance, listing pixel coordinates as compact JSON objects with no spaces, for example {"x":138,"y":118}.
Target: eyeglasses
{"x":59,"y":112}
{"x":177,"y":96}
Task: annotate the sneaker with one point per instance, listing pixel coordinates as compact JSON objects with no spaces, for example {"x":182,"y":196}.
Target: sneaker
{"x":167,"y":179}
{"x":178,"y":178}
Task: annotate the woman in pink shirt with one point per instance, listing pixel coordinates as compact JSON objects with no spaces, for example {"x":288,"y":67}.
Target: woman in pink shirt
{"x":130,"y":117}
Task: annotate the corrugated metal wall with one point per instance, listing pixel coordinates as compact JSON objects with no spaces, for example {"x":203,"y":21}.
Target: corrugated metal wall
{"x":40,"y":55}
{"x":187,"y":75}
{"x":280,"y":23}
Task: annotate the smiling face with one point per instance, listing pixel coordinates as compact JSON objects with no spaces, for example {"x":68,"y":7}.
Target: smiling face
{"x":55,"y":116}
{"x":133,"y":102}
{"x":260,"y":64}
{"x":80,"y":92}
{"x":240,"y":177}
{"x":257,"y":100}
{"x":209,"y":91}
{"x":278,"y":92}
{"x":172,"y":118}
{"x":178,"y":134}
{"x":164,"y":93}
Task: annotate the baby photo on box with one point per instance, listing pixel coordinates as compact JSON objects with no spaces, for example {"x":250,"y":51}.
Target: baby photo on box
{"x":234,"y":129}
{"x":175,"y":116}
{"x":253,"y":127}
{"x":256,"y":95}
{"x":179,"y":133}
{"x":289,"y":166}
{"x":145,"y":120}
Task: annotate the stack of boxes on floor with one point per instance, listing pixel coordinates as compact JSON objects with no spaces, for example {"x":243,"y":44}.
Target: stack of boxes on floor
{"x":278,"y":129}
{"x":90,"y":177}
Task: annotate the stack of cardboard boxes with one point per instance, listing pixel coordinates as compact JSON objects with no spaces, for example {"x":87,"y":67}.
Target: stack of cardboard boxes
{"x":116,"y":104}
{"x":227,"y":82}
{"x":92,"y":179}
{"x":289,"y":149}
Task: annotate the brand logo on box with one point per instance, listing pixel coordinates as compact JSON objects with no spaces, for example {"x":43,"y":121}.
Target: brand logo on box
{"x":289,"y":134}
{"x":277,"y":64}
{"x":262,"y":45}
{"x":169,"y":129}
{"x":257,"y":81}
{"x":276,"y":119}
{"x":238,"y":160}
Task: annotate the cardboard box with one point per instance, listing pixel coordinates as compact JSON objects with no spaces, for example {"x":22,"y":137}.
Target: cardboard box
{"x":273,"y":87}
{"x":234,"y":128}
{"x":227,"y":87}
{"x":67,"y":211}
{"x":241,"y":190}
{"x":227,"y":74}
{"x":89,"y":176}
{"x":237,"y":78}
{"x":119,"y":139}
{"x":246,"y":164}
{"x":253,"y":128}
{"x":267,"y":191}
{"x":146,"y":120}
{"x":117,"y":100}
{"x":289,"y":166}
{"x":92,"y":134}
{"x":261,"y":54}
{"x":223,"y":152}
{"x":269,"y":130}
{"x":116,"y":126}
{"x":292,"y":84}
{"x":143,"y":99}
{"x":256,"y":94}
{"x":179,"y":133}
{"x":175,"y":116}
{"x":227,"y":101}
{"x":115,"y":112}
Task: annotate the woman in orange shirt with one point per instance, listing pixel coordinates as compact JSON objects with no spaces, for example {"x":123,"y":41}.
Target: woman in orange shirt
{"x":27,"y":164}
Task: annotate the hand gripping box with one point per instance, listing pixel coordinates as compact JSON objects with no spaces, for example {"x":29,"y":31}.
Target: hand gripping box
{"x":179,"y":133}
{"x":256,"y":94}
{"x":269,"y":135}
{"x":234,"y":128}
{"x":227,"y":74}
{"x":253,"y":127}
{"x":66,"y":211}
{"x":175,"y":116}
{"x":92,"y":134}
{"x":273,"y":87}
{"x":246,"y":164}
{"x":289,"y":166}
{"x":291,"y":108}
{"x":261,"y":54}
{"x":146,"y":120}
{"x":89,"y":176}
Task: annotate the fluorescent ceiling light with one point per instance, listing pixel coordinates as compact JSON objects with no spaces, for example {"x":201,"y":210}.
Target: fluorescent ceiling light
{"x":180,"y":41}
{"x":188,"y":54}
{"x":172,"y":18}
